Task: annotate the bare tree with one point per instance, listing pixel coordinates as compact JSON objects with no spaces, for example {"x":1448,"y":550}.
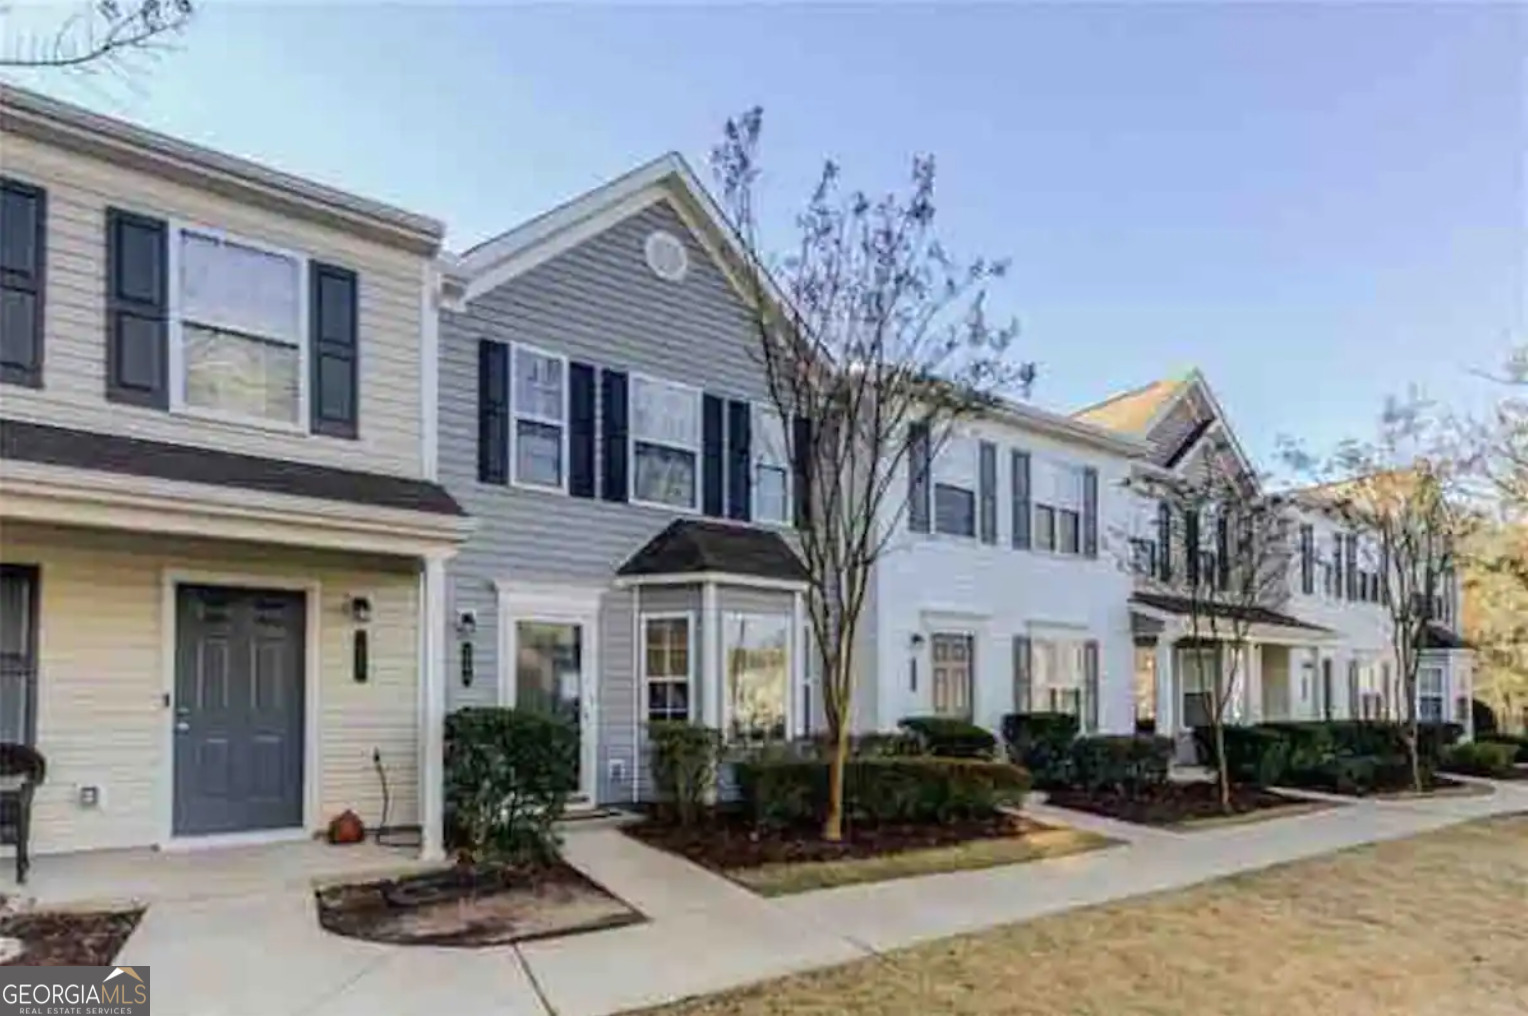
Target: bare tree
{"x":101,"y":34}
{"x":1236,"y":561}
{"x":874,"y":342}
{"x":1504,"y":455}
{"x":1406,"y":487}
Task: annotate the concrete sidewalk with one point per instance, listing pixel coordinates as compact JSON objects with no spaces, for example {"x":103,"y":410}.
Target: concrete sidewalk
{"x":266,"y":955}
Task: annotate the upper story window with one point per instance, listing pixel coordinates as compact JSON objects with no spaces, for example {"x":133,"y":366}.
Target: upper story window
{"x":240,"y":317}
{"x":540,"y":405}
{"x":771,"y":468}
{"x":1145,"y":538}
{"x":1058,"y":507}
{"x":665,"y":436}
{"x":955,"y":483}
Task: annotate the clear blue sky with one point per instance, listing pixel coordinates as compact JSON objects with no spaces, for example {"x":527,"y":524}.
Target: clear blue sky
{"x":1317,"y":204}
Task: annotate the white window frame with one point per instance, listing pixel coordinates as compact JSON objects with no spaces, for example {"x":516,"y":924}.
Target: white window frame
{"x":516,"y":415}
{"x":956,"y":479}
{"x":644,"y":713}
{"x":1067,"y":646}
{"x":791,"y":678}
{"x":1441,"y":696}
{"x":632,"y":441}
{"x":175,"y":328}
{"x":1047,"y":499}
{"x":760,"y":411}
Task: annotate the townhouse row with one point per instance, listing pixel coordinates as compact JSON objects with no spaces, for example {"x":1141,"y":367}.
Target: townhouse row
{"x":282,"y":483}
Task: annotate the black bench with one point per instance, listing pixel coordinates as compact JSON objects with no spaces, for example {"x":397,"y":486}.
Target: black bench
{"x":26,"y":764}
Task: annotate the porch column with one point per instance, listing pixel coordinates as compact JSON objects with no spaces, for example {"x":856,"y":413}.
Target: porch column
{"x":711,"y":683}
{"x":1167,"y":712}
{"x":1254,"y":713}
{"x":796,"y":694}
{"x":432,"y":707}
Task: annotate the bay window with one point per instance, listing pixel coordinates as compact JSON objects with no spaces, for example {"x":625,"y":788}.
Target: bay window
{"x":771,"y":468}
{"x":241,"y":320}
{"x":757,"y":662}
{"x":540,"y":406}
{"x":668,"y":660}
{"x":665,"y":443}
{"x":1430,"y":696}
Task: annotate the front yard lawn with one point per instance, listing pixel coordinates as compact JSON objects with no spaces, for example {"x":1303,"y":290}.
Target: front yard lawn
{"x":1433,"y":924}
{"x":1179,"y":805}
{"x":776,"y":862}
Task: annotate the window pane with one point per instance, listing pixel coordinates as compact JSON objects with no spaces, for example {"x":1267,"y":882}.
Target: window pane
{"x":230,"y":285}
{"x":538,"y":386}
{"x":548,"y":669}
{"x":665,"y":475}
{"x":1070,"y":527}
{"x":247,"y":377}
{"x":665,"y":413}
{"x":954,"y":510}
{"x":538,"y":453}
{"x":1045,"y":527}
{"x":757,"y":662}
{"x":769,"y":438}
{"x":769,"y":487}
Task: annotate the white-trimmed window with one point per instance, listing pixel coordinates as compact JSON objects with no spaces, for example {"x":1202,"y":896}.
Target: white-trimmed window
{"x":1058,"y":507}
{"x":540,"y":407}
{"x":771,"y":468}
{"x":955,"y":481}
{"x":1430,"y":697}
{"x":1199,"y":669}
{"x":1058,"y":676}
{"x":240,"y":311}
{"x":668,"y":665}
{"x":756,"y":661}
{"x":665,"y":443}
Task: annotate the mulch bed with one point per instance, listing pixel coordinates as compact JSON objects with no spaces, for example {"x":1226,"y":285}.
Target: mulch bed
{"x":727,"y":841}
{"x":472,"y":906}
{"x":65,"y":939}
{"x":1171,"y":803}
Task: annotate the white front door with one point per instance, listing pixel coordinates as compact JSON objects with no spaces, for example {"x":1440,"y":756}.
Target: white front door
{"x":550,"y":665}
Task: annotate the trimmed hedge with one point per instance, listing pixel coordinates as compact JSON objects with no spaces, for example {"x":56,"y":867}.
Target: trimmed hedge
{"x":1124,"y":763}
{"x":1041,"y":743}
{"x":1309,"y":753}
{"x":926,"y":789}
{"x":1258,"y":756}
{"x":1519,"y":741}
{"x":1481,"y":758}
{"x":686,"y":760}
{"x":951,"y":738}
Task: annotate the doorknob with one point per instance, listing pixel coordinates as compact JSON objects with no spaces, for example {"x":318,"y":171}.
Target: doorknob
{"x":182,"y":727}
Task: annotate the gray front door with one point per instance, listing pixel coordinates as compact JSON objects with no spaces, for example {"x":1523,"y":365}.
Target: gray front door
{"x":238,"y":710}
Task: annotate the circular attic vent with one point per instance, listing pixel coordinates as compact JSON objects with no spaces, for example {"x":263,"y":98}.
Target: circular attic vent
{"x":666,"y":256}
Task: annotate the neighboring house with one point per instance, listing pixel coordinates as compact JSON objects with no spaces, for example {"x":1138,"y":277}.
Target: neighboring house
{"x":1320,"y":649}
{"x":998,"y":593}
{"x":223,"y":577}
{"x":604,"y":415}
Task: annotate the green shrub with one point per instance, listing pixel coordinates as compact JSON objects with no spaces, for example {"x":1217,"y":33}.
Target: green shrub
{"x":1361,"y":774}
{"x":951,"y":738}
{"x":1041,"y":743}
{"x":880,"y":790}
{"x":1124,"y":763}
{"x":509,"y":774}
{"x":1480,"y":758}
{"x":1519,"y":741}
{"x":1256,"y":756}
{"x":686,"y":757}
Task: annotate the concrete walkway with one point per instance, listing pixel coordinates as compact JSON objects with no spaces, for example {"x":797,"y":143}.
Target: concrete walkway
{"x":265,"y":954}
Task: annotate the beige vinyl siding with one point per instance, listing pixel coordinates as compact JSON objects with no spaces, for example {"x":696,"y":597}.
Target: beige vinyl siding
{"x":80,"y":189}
{"x":101,"y":677}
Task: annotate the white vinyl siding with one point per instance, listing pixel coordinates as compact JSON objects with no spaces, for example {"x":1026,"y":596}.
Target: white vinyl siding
{"x":80,"y":189}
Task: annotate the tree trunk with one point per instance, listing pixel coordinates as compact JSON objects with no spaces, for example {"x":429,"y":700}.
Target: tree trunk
{"x":1223,"y":776}
{"x":1413,"y":755}
{"x":833,"y":821}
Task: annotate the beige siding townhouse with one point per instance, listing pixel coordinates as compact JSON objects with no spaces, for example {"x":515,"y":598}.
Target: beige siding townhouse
{"x":222,"y":548}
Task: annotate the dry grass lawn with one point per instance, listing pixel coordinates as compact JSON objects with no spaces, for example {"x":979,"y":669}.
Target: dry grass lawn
{"x":782,"y":879}
{"x":1437,"y":924}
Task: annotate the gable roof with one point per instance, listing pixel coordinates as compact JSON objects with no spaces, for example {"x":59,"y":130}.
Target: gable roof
{"x":694,"y":546}
{"x":1134,"y":411}
{"x":667,"y":178}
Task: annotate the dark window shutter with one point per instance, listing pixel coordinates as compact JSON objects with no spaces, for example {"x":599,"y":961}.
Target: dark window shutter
{"x":1352,"y":567}
{"x":1339,"y":555}
{"x":712,"y":467}
{"x":1022,"y":515}
{"x":613,"y":427}
{"x":336,"y":350}
{"x":1090,"y":512}
{"x":987,"y":492}
{"x":801,"y":468}
{"x":1165,"y":540}
{"x":1090,"y":685}
{"x":581,"y":429}
{"x":740,"y":460}
{"x":1023,"y":682}
{"x":1191,"y":546}
{"x":1222,"y":552}
{"x":1307,"y":559}
{"x":137,"y":305}
{"x":919,"y":489}
{"x":493,"y":411}
{"x":23,"y":261}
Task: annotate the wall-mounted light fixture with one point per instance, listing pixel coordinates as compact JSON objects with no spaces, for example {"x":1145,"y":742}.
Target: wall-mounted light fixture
{"x":360,"y":609}
{"x":466,"y":627}
{"x":916,"y":643}
{"x":917,"y":640}
{"x":466,"y":624}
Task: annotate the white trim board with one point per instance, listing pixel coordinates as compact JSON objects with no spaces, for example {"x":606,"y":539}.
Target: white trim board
{"x":312,"y":755}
